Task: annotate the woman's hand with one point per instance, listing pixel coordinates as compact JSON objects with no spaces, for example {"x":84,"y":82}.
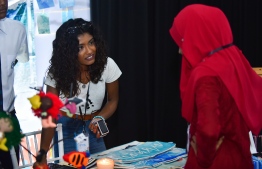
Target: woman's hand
{"x":193,"y":143}
{"x":220,"y":141}
{"x":94,"y":128}
{"x":42,"y":164}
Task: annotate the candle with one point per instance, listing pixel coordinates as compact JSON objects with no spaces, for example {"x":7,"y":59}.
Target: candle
{"x":105,"y":163}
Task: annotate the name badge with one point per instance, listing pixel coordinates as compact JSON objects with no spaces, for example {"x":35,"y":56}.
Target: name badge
{"x":82,"y":142}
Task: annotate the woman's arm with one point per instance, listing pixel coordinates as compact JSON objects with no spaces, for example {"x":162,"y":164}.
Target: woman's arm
{"x":112,"y":100}
{"x":206,"y":140}
{"x":110,"y":106}
{"x":48,"y":133}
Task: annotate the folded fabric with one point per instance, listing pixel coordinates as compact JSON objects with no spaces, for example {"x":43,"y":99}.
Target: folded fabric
{"x":140,"y":152}
{"x":167,"y":157}
{"x":257,"y":161}
{"x":178,"y":164}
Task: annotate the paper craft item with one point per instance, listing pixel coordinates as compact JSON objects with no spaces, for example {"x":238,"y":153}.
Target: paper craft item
{"x":43,"y":24}
{"x":42,"y":4}
{"x":67,"y":14}
{"x":66,"y":3}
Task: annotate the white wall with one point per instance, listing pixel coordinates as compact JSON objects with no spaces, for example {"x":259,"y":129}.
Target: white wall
{"x":43,"y":42}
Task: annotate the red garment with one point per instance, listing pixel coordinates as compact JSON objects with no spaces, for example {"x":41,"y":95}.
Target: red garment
{"x":198,"y":30}
{"x":217,"y":115}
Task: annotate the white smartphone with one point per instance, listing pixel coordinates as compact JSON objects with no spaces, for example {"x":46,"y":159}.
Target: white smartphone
{"x":102,"y":128}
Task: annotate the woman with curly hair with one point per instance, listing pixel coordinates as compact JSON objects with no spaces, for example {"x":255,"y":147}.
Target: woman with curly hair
{"x":80,"y":67}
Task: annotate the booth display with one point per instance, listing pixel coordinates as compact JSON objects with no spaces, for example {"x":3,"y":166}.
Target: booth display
{"x":155,"y":154}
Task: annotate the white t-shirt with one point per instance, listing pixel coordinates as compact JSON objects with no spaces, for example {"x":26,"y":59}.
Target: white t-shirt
{"x":96,"y":91}
{"x":13,"y":45}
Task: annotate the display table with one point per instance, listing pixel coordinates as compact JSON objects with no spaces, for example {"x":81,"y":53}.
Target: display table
{"x":145,"y":154}
{"x":160,"y":155}
{"x":130,"y":155}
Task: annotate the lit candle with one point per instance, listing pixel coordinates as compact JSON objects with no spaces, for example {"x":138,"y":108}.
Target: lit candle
{"x":105,"y":163}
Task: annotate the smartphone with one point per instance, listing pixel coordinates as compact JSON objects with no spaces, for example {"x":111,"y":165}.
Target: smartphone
{"x":102,"y":127}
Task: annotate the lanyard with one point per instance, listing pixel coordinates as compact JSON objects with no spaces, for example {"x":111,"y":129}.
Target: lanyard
{"x":87,"y":106}
{"x":220,"y":48}
{"x":82,"y":119}
{"x":88,"y":101}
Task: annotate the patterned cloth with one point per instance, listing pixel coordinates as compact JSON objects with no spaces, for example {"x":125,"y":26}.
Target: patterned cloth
{"x":141,"y":152}
{"x":257,"y":161}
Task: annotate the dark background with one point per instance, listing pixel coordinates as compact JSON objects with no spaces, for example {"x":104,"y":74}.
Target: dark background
{"x":137,"y":35}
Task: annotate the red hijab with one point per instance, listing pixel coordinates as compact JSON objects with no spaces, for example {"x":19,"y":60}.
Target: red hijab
{"x":198,"y":30}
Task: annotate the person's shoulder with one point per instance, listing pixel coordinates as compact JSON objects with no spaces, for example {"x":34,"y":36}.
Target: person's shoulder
{"x":14,"y":23}
{"x":110,"y":61}
{"x":111,"y":71}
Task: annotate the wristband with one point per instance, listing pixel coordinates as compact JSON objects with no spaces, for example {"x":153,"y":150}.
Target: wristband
{"x":40,"y":155}
{"x":100,"y":117}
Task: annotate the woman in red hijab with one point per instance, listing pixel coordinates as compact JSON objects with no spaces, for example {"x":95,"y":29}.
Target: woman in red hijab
{"x":221,"y":94}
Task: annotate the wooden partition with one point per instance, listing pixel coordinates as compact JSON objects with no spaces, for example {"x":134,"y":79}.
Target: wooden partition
{"x":258,"y":70}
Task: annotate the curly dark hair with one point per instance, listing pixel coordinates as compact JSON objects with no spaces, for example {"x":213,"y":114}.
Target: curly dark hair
{"x":65,"y":67}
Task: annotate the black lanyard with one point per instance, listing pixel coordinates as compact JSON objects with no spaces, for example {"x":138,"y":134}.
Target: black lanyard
{"x":87,"y":98}
{"x":220,"y":48}
{"x":82,"y":119}
{"x":87,"y":106}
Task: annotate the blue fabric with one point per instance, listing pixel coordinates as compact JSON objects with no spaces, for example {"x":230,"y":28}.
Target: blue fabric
{"x":45,"y":4}
{"x":141,"y":152}
{"x":71,"y":128}
{"x":19,"y":14}
{"x":166,"y":157}
{"x":257,"y":161}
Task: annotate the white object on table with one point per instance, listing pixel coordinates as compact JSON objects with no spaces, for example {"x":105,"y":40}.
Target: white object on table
{"x":105,"y":163}
{"x":253,"y":148}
